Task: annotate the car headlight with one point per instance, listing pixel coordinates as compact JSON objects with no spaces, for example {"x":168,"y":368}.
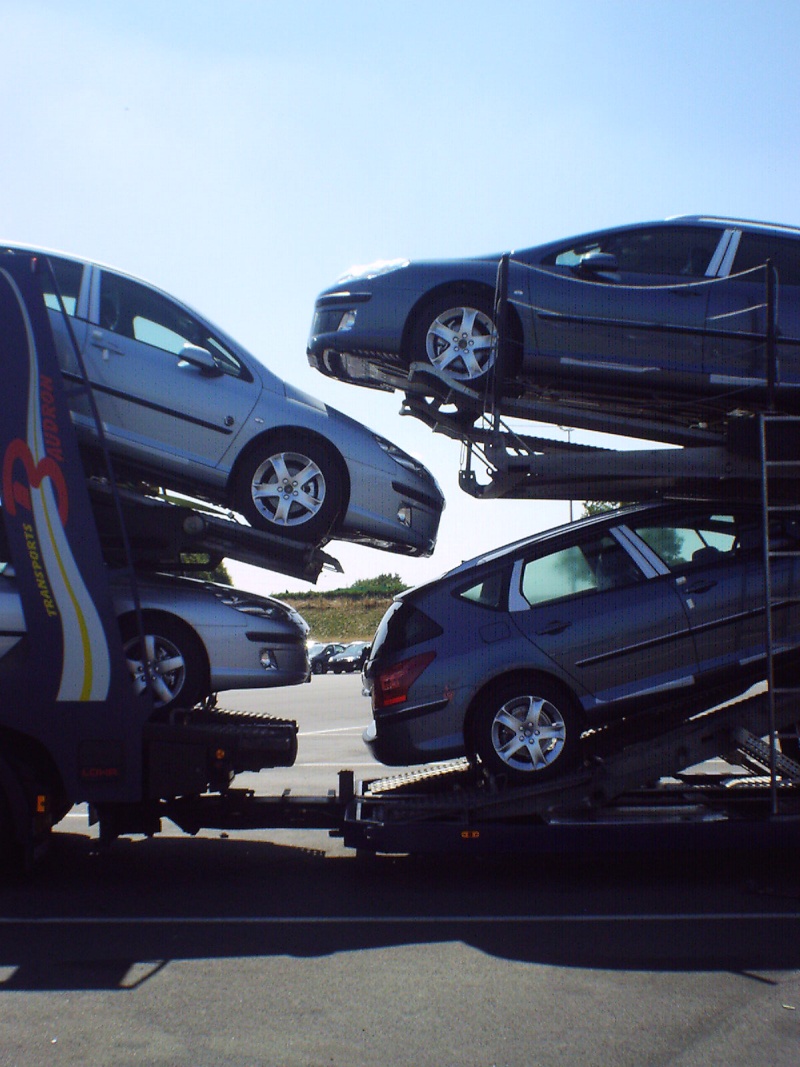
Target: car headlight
{"x":399,"y":456}
{"x":262,"y":609}
{"x":346,"y":322}
{"x":372,"y":270}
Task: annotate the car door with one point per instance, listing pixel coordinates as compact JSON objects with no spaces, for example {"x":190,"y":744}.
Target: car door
{"x":714,"y":561}
{"x":735,"y":353}
{"x":171,"y":395}
{"x":627,"y":305}
{"x":614,"y":625}
{"x":784,"y":543}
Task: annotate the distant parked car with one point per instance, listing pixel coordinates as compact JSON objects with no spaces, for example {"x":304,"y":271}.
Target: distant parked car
{"x":659,"y":309}
{"x":199,"y":637}
{"x":185,"y":406}
{"x":320,"y":654}
{"x":512,"y":656}
{"x":351,"y":659}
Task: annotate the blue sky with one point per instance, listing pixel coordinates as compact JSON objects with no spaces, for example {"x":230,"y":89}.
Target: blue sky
{"x":242,"y":155}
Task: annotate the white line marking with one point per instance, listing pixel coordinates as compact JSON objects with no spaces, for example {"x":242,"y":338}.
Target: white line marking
{"x":350,"y":765}
{"x":386,"y":920}
{"x":336,"y":730}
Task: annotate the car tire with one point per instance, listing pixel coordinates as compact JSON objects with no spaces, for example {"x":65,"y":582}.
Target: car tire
{"x":318,"y":668}
{"x":292,"y":486}
{"x":180,"y":677}
{"x":456,"y":333}
{"x":526,"y":730}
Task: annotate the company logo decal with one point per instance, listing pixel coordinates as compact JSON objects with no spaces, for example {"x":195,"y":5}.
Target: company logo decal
{"x":34,"y":485}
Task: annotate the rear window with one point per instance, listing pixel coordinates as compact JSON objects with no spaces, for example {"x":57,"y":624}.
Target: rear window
{"x":403,"y":626}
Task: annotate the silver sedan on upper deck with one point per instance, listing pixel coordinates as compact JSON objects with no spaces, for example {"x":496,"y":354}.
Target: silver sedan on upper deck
{"x":188,"y":407}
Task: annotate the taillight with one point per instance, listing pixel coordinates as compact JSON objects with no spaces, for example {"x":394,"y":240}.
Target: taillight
{"x":391,"y":684}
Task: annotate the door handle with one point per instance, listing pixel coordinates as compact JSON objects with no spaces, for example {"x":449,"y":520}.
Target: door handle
{"x":105,"y":349}
{"x":101,"y":340}
{"x":700,"y":587}
{"x":554,"y":627}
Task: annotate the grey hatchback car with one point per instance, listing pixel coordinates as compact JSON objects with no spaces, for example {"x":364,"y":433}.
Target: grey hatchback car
{"x":670,"y":309}
{"x":184,"y":405}
{"x":513,"y":656}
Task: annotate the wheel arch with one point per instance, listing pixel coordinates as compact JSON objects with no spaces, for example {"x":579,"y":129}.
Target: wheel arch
{"x":274,"y":435}
{"x":128,"y":619}
{"x":459,"y":289}
{"x":519,"y":675}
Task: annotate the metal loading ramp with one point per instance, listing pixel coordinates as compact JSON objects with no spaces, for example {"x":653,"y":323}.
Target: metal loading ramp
{"x":502,"y":461}
{"x":649,"y":781}
{"x":161,"y":534}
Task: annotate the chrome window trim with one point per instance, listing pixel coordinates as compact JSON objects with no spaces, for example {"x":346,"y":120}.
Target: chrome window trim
{"x":94,"y":294}
{"x":730,"y":252}
{"x":516,"y":601}
{"x":716,"y":260}
{"x":643,"y":556}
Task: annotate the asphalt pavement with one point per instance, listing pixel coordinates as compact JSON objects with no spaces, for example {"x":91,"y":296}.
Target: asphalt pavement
{"x":284,"y":948}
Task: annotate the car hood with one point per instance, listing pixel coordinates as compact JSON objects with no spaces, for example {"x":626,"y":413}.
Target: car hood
{"x":119,"y":581}
{"x":368,"y":277}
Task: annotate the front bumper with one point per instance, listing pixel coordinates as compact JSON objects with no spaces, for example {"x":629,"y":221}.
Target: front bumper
{"x":375,"y":503}
{"x":259,"y":661}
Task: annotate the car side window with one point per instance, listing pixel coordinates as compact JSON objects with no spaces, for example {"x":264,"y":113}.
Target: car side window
{"x":489,"y":592}
{"x":592,"y":566}
{"x":755,"y":249}
{"x":683,"y":544}
{"x":145,"y":315}
{"x":675,"y":250}
{"x":68,"y":276}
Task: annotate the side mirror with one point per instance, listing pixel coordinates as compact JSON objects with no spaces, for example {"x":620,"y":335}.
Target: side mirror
{"x":200,"y":358}
{"x":598,"y":261}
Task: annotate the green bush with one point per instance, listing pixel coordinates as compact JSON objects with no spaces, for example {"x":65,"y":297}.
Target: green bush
{"x":350,"y":614}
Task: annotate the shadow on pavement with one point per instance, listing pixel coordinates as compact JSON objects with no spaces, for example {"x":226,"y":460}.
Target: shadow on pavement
{"x":111,"y":921}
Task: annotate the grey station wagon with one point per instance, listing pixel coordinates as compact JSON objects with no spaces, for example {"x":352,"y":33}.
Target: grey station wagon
{"x":184,"y":405}
{"x":672,"y":309}
{"x":511,"y":657}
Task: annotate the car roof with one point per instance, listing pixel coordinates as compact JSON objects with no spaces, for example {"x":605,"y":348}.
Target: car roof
{"x":747,"y":224}
{"x":37,"y":250}
{"x":545,"y":535}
